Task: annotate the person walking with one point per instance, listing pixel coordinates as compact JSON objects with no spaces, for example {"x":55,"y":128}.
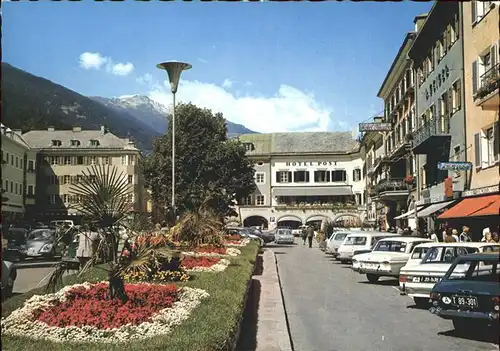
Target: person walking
{"x":304,"y":235}
{"x":86,"y":246}
{"x":449,"y":238}
{"x":310,"y":235}
{"x":434,"y":237}
{"x":465,"y":236}
{"x":454,"y":232}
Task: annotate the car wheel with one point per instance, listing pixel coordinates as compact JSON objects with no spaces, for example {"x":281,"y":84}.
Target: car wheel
{"x":462,"y":325}
{"x":7,"y":291}
{"x":343,"y":261}
{"x":372,"y":278}
{"x":421,"y":302}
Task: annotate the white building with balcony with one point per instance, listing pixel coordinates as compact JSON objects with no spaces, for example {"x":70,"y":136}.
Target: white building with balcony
{"x":304,"y":178}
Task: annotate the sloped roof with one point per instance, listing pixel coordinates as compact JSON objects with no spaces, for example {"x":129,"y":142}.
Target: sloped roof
{"x":301,"y":142}
{"x":42,"y":139}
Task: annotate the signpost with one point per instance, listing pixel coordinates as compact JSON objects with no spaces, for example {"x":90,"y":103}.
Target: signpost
{"x":454,"y":166}
{"x":375,"y":127}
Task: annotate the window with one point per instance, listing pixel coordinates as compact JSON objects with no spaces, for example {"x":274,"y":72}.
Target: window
{"x":321,"y":176}
{"x":390,"y":246}
{"x":79,"y":160}
{"x":53,"y":160}
{"x":12,"y":159}
{"x":130,"y":198}
{"x":66,"y":179}
{"x":6,"y":185}
{"x":31,"y":165}
{"x":65,"y":198}
{"x":67,"y":160}
{"x":17,"y":162}
{"x":248,"y":146}
{"x":15,"y":188}
{"x":246,"y":201}
{"x":94,"y":142}
{"x":356,"y":175}
{"x":75,"y":143}
{"x":259,"y":178}
{"x":301,"y":177}
{"x":52,"y":199}
{"x":105,"y":160}
{"x":31,"y":190}
{"x":124,"y":160}
{"x":130,"y":179}
{"x":487,"y":146}
{"x":479,"y":10}
{"x":260,"y":200}
{"x":358,"y":199}
{"x":356,"y":240}
{"x":339,"y":176}
{"x":490,"y":146}
{"x":131,"y":160}
{"x":93,"y":160}
{"x":56,"y":143}
{"x":283,"y":177}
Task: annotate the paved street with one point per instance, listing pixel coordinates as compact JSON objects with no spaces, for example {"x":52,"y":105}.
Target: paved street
{"x":331,"y":308}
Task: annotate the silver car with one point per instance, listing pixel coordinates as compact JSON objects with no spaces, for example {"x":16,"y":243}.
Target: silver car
{"x":284,"y":236}
{"x":40,"y":243}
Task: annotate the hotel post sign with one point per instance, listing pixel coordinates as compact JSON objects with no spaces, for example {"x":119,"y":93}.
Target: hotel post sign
{"x":375,"y":127}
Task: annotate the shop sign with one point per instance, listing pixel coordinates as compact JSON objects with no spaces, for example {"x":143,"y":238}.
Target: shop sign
{"x":454,"y":166}
{"x":272,"y":219}
{"x":375,"y":127}
{"x":481,"y":191}
{"x":311,"y":163}
{"x":436,"y":83}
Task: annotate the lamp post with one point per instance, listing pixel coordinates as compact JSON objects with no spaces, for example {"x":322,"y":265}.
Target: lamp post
{"x":174,"y":70}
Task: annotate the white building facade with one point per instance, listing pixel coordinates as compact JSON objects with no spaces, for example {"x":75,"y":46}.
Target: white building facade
{"x":304,"y":178}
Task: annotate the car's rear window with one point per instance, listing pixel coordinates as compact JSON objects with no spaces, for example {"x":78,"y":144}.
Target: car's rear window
{"x":340,"y":236}
{"x":391,"y":246}
{"x":419,"y":252}
{"x":356,"y":240}
{"x":446,"y":254}
{"x":475,"y":270}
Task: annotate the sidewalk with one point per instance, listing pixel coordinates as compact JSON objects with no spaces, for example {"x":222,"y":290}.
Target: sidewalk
{"x":272,"y":332}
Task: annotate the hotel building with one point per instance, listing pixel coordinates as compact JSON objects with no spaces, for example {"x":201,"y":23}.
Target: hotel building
{"x":63,"y":155}
{"x":304,"y":178}
{"x":437,"y":55}
{"x":18,"y":176}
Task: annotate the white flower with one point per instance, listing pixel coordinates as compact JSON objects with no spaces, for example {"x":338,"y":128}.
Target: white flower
{"x":242,"y":243}
{"x":218,"y":267}
{"x":21,"y":323}
{"x":230,"y":251}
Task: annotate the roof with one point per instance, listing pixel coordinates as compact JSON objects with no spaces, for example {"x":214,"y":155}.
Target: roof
{"x":481,"y":256}
{"x":472,"y":244}
{"x":399,"y":61}
{"x":42,"y":139}
{"x":408,"y":239}
{"x":13,"y":135}
{"x":301,"y":143}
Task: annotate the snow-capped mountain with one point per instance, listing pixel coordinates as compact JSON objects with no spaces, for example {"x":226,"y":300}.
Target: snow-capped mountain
{"x":153,"y":113}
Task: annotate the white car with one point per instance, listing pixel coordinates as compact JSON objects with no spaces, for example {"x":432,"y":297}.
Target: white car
{"x":417,"y":280}
{"x":359,"y":241}
{"x":284,"y":236}
{"x":387,"y":257}
{"x":334,"y":241}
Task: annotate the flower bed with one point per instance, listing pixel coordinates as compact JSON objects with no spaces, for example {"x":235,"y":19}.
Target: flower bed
{"x":213,"y":251}
{"x":242,"y":242}
{"x":234,"y":237}
{"x":204,"y":264}
{"x":82,"y":312}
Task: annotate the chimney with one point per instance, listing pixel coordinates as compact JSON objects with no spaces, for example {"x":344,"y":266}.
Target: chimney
{"x":419,"y":21}
{"x":103,"y":130}
{"x":77,"y":129}
{"x":51,"y":129}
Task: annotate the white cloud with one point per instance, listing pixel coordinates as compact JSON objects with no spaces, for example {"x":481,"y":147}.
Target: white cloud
{"x":145,"y":79}
{"x":94,"y":60}
{"x":227,"y":83}
{"x":202,"y":60}
{"x":290,"y":109}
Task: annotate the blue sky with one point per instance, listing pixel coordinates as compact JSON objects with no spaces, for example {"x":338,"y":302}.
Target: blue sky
{"x":286,"y":66}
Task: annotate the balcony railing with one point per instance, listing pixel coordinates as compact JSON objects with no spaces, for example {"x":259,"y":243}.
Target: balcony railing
{"x":391,"y":185}
{"x":488,"y":82}
{"x":434,"y":127}
{"x":318,"y":206}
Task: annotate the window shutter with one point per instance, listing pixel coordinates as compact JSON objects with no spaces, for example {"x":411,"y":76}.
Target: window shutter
{"x":278,"y":180}
{"x":328,"y":176}
{"x":474,"y":77}
{"x":307,"y":176}
{"x":459,"y":94}
{"x":493,"y":55}
{"x":449,"y":102}
{"x":473,"y":11}
{"x":477,"y":149}
{"x":496,"y":141}
{"x":289,"y":177}
{"x":456,"y":24}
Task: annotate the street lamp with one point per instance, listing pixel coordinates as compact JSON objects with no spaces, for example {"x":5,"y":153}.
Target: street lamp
{"x":174,"y":70}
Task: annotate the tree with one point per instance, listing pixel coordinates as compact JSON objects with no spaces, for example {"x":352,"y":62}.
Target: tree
{"x":210,"y":170}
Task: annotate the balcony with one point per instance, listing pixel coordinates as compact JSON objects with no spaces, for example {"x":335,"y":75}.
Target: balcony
{"x":393,"y":190}
{"x":487,"y":95}
{"x":319,"y":206}
{"x":433,"y":135}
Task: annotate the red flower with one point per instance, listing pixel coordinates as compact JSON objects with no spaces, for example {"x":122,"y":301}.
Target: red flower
{"x":126,"y":253}
{"x":233,"y":237}
{"x":211,"y":249}
{"x":93,"y":307}
{"x":191,"y":262}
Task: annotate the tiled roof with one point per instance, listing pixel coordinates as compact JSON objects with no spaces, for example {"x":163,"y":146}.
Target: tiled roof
{"x":42,"y":139}
{"x":301,"y":142}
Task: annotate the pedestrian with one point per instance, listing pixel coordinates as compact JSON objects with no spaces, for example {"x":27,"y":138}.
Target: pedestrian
{"x":454,"y":232}
{"x":485,"y":231}
{"x":434,"y":237}
{"x":489,"y":238}
{"x":449,"y":238}
{"x":310,"y":235}
{"x":495,"y":237}
{"x":304,"y":235}
{"x":86,"y":246}
{"x":465,"y":236}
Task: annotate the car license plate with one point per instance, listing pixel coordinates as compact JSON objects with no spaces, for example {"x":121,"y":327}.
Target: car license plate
{"x":370,"y":265}
{"x":426,"y":280}
{"x":465,"y":301}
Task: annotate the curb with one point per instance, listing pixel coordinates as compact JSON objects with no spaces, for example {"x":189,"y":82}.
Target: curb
{"x":236,"y":337}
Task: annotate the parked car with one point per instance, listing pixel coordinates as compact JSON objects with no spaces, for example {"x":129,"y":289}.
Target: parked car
{"x":41,"y":243}
{"x":334,"y":241}
{"x":417,"y":280}
{"x":284,"y":236}
{"x":298,"y":231}
{"x":8,"y":277}
{"x":16,"y":243}
{"x":469,"y":293}
{"x":356,"y":241}
{"x":387,"y":257}
{"x":62,"y":222}
{"x":266,"y":237}
{"x":243,"y":232}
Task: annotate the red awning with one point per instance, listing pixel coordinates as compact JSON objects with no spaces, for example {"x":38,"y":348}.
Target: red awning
{"x":472,"y":207}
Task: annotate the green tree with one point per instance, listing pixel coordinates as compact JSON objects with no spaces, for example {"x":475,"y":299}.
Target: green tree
{"x":210,"y":170}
